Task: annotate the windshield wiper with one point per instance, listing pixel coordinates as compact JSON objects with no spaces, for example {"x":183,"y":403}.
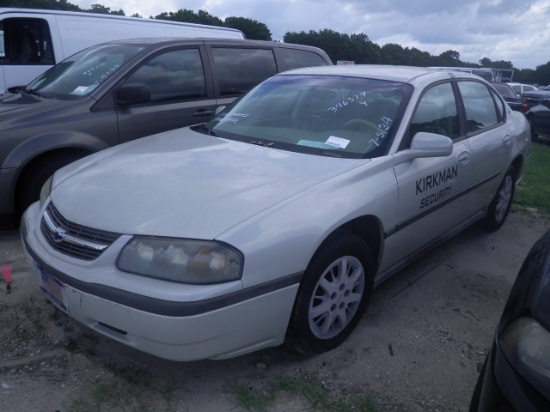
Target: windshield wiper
{"x":203,"y":128}
{"x":260,"y":143}
{"x":33,"y":92}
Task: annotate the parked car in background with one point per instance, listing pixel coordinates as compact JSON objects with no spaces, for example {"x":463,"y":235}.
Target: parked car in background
{"x":510,"y":97}
{"x":539,"y":119}
{"x":520,"y":88}
{"x":516,"y":372}
{"x":34,"y":40}
{"x":120,"y":91}
{"x":538,"y":112}
{"x":274,"y":221}
{"x":537,"y":97}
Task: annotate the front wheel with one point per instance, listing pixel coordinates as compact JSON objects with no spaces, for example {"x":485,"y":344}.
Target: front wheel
{"x":333,"y":295}
{"x":502,"y":202}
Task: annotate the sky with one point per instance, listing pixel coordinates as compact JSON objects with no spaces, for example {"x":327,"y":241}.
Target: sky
{"x":511,"y":30}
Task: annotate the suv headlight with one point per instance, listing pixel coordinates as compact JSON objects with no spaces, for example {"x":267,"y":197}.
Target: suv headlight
{"x":181,"y":260}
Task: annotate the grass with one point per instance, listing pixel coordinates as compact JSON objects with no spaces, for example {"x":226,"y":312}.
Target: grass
{"x":533,"y":193}
{"x":307,"y":391}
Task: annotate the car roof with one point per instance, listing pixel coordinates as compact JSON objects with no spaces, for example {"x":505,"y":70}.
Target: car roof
{"x":403,"y":74}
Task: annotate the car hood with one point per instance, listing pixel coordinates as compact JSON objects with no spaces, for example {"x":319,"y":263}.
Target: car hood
{"x":21,"y":109}
{"x":183,"y":183}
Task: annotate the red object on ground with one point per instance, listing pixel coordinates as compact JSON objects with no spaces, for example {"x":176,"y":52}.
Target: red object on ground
{"x":6,"y":271}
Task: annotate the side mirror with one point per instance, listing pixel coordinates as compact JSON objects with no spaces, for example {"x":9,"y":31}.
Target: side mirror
{"x":132,"y":93}
{"x":425,"y":145}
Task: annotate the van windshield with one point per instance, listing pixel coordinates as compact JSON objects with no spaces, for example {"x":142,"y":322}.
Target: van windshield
{"x":79,"y":75}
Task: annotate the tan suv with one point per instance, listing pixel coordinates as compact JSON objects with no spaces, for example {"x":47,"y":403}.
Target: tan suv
{"x":119,"y":91}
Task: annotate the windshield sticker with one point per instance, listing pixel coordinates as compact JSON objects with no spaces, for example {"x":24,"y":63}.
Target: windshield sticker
{"x":337,"y":142}
{"x":80,"y":90}
{"x":315,"y":144}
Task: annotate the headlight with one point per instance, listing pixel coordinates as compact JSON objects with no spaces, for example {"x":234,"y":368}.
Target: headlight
{"x":180,"y":260}
{"x":526,"y":345}
{"x":45,"y":191}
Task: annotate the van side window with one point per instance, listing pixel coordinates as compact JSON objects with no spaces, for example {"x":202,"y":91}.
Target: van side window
{"x":171,"y":76}
{"x":480,"y":107}
{"x":294,"y":59}
{"x":27,"y":41}
{"x":238,"y":70}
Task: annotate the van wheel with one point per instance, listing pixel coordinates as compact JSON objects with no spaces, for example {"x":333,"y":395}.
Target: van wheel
{"x":32,"y":179}
{"x":333,"y":295}
{"x":502,"y":202}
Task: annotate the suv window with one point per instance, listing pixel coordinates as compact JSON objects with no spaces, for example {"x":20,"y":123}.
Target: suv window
{"x":295,"y":59}
{"x":480,"y":107}
{"x":238,"y":70}
{"x":436,"y":112}
{"x":175,"y":75}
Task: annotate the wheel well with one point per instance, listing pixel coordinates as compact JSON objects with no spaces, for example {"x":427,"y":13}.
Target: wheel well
{"x":518,"y":165}
{"x":368,"y":228}
{"x":24,"y":173}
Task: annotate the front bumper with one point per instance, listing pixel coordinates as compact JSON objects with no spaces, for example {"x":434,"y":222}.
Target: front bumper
{"x":180,"y":327}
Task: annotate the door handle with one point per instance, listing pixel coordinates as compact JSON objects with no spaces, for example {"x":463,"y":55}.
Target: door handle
{"x":203,"y":113}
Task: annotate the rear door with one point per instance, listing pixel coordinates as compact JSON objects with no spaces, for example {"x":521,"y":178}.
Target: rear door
{"x":237,"y":69}
{"x":489,"y":140}
{"x":181,"y":93}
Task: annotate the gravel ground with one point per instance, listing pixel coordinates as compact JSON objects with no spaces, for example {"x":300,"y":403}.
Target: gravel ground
{"x":418,"y":347}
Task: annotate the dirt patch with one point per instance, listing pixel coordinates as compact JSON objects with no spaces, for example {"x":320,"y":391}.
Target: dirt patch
{"x":418,"y":347}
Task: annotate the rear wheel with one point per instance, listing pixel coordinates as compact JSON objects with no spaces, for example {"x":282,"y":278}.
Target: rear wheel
{"x":333,"y":295}
{"x":502,"y":202}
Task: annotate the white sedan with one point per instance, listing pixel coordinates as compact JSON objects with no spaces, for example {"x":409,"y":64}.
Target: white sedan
{"x":274,"y":222}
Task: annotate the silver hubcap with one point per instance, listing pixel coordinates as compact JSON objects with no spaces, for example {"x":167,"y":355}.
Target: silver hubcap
{"x":504,"y":198}
{"x":336,"y":297}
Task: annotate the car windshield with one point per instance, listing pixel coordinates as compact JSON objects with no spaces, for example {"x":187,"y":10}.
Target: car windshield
{"x":324,"y":115}
{"x":504,"y":90}
{"x":78,"y":75}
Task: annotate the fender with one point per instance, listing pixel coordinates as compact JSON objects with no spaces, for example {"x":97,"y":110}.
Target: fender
{"x":29,"y":149}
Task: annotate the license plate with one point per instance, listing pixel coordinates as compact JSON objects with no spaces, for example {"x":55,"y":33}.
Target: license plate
{"x":53,"y":288}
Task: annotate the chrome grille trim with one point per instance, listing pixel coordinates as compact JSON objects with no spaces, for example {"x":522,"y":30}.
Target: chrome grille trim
{"x":72,"y":239}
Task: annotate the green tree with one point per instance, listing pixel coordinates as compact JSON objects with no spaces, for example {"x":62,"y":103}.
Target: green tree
{"x":189,"y":16}
{"x":543,"y":74}
{"x":101,"y":9}
{"x":252,"y":29}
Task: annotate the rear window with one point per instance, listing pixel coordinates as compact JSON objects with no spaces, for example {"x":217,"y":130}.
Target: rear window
{"x":239,"y":69}
{"x":295,"y":59}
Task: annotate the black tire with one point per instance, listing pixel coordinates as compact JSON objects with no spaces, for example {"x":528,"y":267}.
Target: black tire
{"x":32,"y":180}
{"x":502,"y":202}
{"x":339,"y":310}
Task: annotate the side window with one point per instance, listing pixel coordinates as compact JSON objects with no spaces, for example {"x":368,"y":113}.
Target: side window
{"x":295,"y":59}
{"x":238,"y":70}
{"x":175,"y":75}
{"x":436,"y":112}
{"x":480,"y":106}
{"x":26,"y":41}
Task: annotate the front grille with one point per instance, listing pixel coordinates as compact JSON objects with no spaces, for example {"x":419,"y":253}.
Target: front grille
{"x":72,"y":239}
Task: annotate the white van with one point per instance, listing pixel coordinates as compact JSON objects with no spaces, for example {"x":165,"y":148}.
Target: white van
{"x":34,"y":40}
